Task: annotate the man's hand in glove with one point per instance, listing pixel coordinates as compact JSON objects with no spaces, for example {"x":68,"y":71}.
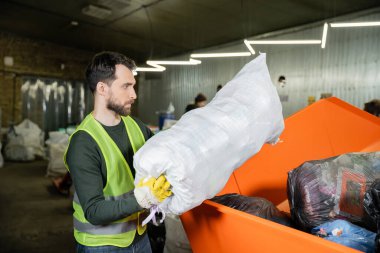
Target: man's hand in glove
{"x":152,"y":191}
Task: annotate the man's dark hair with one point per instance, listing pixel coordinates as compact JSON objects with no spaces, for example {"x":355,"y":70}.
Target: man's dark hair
{"x":200,"y":98}
{"x":281,"y":78}
{"x":103,"y":66}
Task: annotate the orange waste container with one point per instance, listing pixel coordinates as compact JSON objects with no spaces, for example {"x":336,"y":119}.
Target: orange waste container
{"x":327,"y":128}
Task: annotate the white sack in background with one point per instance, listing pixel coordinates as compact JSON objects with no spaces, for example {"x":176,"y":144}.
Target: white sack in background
{"x":57,"y":145}
{"x":19,"y":152}
{"x":33,"y":136}
{"x":200,"y":152}
{"x":24,"y":142}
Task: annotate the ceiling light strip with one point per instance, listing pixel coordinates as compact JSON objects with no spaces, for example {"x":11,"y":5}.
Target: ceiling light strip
{"x":356,"y":24}
{"x":324,"y":35}
{"x":159,"y":62}
{"x":284,"y":42}
{"x":141,"y":69}
{"x":156,"y":64}
{"x":214,"y":55}
{"x":250,"y":48}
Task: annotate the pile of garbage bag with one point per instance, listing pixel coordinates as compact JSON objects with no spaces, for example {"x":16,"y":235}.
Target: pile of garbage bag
{"x":330,"y":189}
{"x":337,"y":198}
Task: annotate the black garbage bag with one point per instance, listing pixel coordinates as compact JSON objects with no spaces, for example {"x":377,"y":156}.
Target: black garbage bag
{"x":372,"y":208}
{"x":333,"y":188}
{"x":255,"y":206}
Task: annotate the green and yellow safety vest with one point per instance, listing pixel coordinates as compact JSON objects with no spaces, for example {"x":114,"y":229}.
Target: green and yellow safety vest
{"x":119,"y":185}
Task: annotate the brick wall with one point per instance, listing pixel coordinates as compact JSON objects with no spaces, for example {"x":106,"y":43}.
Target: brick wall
{"x":34,"y":58}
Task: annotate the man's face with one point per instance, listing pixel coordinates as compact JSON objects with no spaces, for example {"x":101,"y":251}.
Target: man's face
{"x":121,"y":93}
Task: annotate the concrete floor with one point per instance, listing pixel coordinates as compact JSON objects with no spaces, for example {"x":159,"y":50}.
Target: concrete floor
{"x":33,"y":217}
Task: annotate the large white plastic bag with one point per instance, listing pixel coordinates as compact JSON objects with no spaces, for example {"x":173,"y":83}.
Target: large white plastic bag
{"x":200,"y":152}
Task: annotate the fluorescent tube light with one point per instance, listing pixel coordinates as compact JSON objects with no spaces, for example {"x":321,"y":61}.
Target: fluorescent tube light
{"x":189,"y":62}
{"x":324,"y":35}
{"x":356,"y":24}
{"x":211,"y":55}
{"x":284,"y":42}
{"x":247,"y":43}
{"x":138,"y":69}
{"x":158,"y":68}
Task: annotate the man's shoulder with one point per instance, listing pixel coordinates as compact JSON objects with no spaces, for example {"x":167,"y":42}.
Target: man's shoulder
{"x":81,"y":137}
{"x":144,"y":128}
{"x":139,"y":122}
{"x":81,"y":145}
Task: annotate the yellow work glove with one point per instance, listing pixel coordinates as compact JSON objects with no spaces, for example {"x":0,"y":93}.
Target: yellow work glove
{"x":152,"y":191}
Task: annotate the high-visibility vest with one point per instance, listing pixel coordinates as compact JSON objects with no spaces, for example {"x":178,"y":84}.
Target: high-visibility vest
{"x":119,"y":185}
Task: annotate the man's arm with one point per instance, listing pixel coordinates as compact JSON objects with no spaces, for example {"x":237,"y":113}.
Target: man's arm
{"x":87,"y":168}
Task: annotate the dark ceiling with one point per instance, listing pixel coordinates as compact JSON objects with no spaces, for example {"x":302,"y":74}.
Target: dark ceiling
{"x":151,"y":29}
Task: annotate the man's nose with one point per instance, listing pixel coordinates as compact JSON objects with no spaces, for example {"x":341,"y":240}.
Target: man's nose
{"x":133,"y":94}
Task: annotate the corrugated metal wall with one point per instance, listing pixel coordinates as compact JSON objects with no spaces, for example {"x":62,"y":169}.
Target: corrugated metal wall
{"x":348,"y":67}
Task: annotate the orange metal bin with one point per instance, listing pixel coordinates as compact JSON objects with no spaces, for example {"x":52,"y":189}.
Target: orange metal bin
{"x":327,"y":128}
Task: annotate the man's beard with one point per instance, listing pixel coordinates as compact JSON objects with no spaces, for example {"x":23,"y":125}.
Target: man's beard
{"x":119,"y":109}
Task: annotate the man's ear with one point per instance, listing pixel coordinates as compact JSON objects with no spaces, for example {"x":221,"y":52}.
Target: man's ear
{"x":101,"y":88}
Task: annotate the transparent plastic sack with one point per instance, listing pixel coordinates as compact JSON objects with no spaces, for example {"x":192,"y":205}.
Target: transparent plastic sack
{"x":199,"y":153}
{"x":254,"y":205}
{"x":345,"y":233}
{"x":333,"y":188}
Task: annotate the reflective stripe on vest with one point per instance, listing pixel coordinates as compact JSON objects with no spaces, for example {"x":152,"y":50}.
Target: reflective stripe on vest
{"x":120,"y":185}
{"x":114,"y":228}
{"x":123,"y":196}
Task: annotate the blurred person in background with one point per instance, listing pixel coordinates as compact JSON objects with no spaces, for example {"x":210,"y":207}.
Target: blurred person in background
{"x":281,"y":81}
{"x":373,"y":107}
{"x":199,"y":101}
